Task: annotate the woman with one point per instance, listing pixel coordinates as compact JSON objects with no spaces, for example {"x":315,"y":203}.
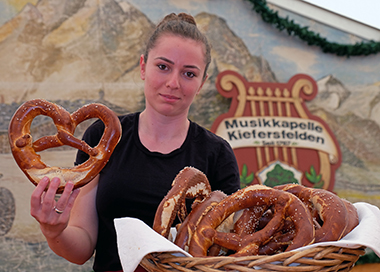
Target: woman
{"x":155,"y":145}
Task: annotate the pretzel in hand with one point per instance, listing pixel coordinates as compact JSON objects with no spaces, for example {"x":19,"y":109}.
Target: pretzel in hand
{"x":24,"y":149}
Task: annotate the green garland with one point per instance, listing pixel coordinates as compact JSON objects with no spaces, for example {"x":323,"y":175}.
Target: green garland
{"x":312,"y":38}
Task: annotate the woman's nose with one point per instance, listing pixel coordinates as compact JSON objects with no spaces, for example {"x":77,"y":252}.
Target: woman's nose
{"x":173,"y":81}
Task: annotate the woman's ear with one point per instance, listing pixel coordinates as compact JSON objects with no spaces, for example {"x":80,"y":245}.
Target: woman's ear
{"x":142,"y":67}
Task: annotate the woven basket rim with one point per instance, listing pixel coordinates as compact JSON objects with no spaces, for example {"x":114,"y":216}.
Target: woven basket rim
{"x":312,"y":259}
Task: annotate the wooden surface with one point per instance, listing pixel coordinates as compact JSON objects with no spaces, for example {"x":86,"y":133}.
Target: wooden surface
{"x":370,"y":267}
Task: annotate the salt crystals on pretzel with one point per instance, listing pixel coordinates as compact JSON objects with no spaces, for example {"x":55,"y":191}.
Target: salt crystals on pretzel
{"x":327,"y":209}
{"x":267,"y":220}
{"x":24,"y":149}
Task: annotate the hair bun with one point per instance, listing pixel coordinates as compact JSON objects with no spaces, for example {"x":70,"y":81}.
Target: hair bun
{"x":180,"y":17}
{"x":187,"y":18}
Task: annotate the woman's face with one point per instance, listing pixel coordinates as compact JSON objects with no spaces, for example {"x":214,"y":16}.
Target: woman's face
{"x":173,"y":74}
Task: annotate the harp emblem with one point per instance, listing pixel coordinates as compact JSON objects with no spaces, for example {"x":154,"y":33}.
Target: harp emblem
{"x":274,"y":136}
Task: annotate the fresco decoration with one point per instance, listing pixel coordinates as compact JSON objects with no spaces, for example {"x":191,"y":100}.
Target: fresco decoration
{"x":81,"y":51}
{"x":274,"y":134}
{"x":7,"y":210}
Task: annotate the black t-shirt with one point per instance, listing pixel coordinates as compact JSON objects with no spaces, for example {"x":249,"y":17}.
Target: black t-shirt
{"x":135,"y":180}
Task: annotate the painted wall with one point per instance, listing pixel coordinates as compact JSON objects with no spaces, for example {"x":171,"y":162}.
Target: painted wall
{"x":78,"y":51}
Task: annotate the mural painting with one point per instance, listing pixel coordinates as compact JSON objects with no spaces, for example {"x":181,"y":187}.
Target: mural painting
{"x":74,"y":52}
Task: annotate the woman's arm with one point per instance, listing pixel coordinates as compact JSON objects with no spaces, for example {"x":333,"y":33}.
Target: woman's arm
{"x":72,"y":234}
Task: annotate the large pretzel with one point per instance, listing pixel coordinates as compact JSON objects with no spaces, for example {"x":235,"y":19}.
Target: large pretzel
{"x":256,"y":218}
{"x":353,"y":217}
{"x":249,"y":220}
{"x":187,"y":228}
{"x":24,"y":149}
{"x":329,"y":211}
{"x":189,"y":183}
{"x":284,"y":205}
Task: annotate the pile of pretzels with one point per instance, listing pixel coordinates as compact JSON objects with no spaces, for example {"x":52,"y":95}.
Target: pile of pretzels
{"x":256,"y":220}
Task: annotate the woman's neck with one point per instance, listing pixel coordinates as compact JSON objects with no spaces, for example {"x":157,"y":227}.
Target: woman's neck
{"x":162,"y":133}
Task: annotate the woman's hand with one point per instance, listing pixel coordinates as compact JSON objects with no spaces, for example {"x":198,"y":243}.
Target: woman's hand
{"x":53,"y":215}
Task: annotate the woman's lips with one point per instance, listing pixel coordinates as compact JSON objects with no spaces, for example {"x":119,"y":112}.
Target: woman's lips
{"x":169,"y":97}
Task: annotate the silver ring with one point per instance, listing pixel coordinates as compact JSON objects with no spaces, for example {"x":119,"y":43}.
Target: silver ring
{"x":58,"y":211}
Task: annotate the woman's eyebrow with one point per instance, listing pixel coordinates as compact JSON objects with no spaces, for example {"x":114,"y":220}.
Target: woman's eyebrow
{"x":172,"y":62}
{"x":192,"y":67}
{"x":165,"y":59}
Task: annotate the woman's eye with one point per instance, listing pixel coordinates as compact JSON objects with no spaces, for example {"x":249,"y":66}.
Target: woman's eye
{"x":190,"y":74}
{"x":162,"y":66}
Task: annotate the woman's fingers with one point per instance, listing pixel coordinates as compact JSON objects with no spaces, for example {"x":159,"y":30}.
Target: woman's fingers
{"x":66,"y":201}
{"x":36,"y":198}
{"x":48,"y":199}
{"x":72,"y":198}
{"x":53,"y":214}
{"x":44,"y":206}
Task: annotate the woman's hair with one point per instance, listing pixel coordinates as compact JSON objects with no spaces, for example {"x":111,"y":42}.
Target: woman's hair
{"x":182,"y":25}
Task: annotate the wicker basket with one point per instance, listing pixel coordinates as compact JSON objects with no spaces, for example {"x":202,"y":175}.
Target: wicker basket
{"x":329,"y":258}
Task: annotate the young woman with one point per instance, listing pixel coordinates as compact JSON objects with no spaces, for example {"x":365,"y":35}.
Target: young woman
{"x":156,"y":144}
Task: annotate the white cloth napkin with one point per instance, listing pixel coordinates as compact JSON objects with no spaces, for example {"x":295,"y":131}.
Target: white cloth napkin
{"x":135,"y":239}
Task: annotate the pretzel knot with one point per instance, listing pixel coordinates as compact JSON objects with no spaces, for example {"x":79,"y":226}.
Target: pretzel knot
{"x":24,"y":149}
{"x":285,"y":206}
{"x":189,"y":183}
